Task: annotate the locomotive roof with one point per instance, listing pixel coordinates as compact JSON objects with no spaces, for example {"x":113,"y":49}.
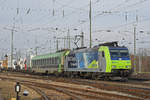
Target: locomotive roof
{"x":118,"y":47}
{"x":109,"y":44}
{"x":84,"y":50}
{"x":49,"y":55}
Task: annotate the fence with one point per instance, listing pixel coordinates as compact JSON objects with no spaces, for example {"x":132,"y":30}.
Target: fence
{"x":142,"y":61}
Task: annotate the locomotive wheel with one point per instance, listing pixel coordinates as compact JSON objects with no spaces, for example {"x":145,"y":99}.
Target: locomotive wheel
{"x":94,"y":76}
{"x":124,"y":79}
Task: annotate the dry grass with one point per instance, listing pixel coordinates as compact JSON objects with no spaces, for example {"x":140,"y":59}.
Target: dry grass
{"x":7,"y":90}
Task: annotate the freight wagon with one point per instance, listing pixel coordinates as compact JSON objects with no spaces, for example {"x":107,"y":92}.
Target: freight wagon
{"x":5,"y":64}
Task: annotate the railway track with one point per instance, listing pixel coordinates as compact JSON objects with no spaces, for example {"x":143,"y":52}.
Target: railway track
{"x":39,"y":91}
{"x":90,"y":89}
{"x":35,"y":86}
{"x":45,"y":86}
{"x":88,"y":92}
{"x":138,"y":90}
{"x":81,"y":94}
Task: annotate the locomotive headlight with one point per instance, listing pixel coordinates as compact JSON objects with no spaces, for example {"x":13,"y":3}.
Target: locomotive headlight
{"x":113,"y":66}
{"x":127,"y":66}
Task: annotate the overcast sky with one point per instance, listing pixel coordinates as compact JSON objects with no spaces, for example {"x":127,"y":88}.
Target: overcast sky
{"x":37,"y":22}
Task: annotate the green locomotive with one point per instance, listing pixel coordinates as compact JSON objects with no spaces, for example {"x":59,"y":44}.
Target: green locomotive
{"x":104,"y":60}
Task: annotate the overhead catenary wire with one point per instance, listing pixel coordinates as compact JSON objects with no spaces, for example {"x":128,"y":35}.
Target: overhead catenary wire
{"x":128,"y":1}
{"x":59,"y":19}
{"x":41,"y":10}
{"x":67,"y":15}
{"x":54,"y":19}
{"x":110,"y":11}
{"x":122,"y":25}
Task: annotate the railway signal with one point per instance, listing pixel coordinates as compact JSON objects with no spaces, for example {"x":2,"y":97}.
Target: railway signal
{"x":17,"y":90}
